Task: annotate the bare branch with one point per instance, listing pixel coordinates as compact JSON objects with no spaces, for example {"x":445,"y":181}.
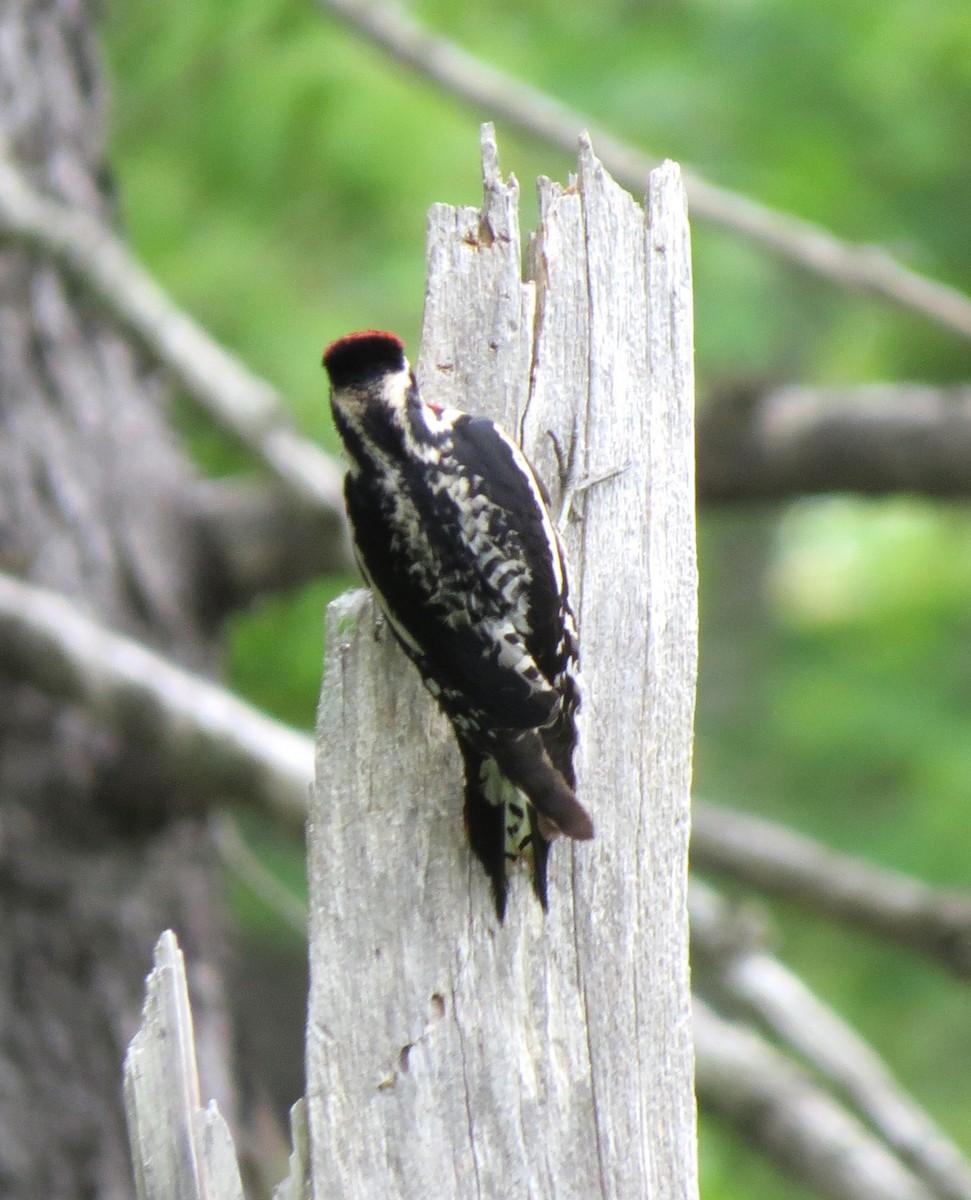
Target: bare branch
{"x":777,"y":1108}
{"x":863,"y":268}
{"x":247,"y":406}
{"x":226,"y":748}
{"x":787,"y":442}
{"x":222,"y":747}
{"x":219,"y":747}
{"x":873,"y":439}
{"x":870,"y":440}
{"x":727,"y":947}
{"x":778,"y":862}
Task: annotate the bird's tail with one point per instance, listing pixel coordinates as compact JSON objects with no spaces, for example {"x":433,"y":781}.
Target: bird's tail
{"x":515,"y":803}
{"x":525,"y":762}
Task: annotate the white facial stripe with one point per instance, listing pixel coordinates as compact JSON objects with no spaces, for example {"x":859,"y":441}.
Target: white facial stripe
{"x":395,"y":388}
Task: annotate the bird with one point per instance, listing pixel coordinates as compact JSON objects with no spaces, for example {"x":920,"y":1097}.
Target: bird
{"x":452,"y":531}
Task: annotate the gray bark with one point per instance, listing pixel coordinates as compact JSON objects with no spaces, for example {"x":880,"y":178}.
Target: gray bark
{"x":94,"y":860}
{"x":547,"y":1057}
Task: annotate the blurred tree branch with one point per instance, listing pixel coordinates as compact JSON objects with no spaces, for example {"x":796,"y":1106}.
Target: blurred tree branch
{"x":222,"y":749}
{"x":752,"y":445}
{"x":497,"y":95}
{"x":777,"y":1107}
{"x":873,"y":439}
{"x":245,"y":405}
{"x":216,"y":745}
{"x":779,"y":862}
{"x":728,"y":955}
{"x":250,"y":870}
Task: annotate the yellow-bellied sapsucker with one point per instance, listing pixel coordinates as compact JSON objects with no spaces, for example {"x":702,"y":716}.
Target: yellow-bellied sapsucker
{"x":452,"y":531}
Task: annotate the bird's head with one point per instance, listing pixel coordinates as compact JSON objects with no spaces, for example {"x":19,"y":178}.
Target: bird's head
{"x":361,"y":360}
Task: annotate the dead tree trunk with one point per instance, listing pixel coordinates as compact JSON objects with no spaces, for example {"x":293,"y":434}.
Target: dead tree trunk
{"x":94,"y":858}
{"x":551,"y":1057}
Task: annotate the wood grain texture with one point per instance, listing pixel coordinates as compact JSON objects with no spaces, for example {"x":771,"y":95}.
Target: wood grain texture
{"x":549,"y":1057}
{"x":477,"y":327}
{"x":179,"y":1149}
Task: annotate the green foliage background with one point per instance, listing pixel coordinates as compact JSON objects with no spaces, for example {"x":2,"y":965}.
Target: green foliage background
{"x":275,"y":173}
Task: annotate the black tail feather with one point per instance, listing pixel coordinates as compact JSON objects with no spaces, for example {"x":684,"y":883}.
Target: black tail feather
{"x":541,"y":855}
{"x":485,"y":826}
{"x":501,"y":824}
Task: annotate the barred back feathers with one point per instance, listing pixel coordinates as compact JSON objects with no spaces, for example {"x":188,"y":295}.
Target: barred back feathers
{"x":453,"y":533}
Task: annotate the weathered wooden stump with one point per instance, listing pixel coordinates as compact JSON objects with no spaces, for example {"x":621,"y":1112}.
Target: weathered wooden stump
{"x":549,"y":1057}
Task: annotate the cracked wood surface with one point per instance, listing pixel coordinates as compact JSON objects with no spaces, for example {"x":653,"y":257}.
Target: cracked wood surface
{"x":179,"y":1148}
{"x":449,"y":1056}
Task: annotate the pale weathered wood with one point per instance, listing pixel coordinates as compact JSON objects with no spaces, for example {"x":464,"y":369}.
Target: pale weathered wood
{"x":672,"y":613}
{"x":296,"y":1186}
{"x":449,"y":1056}
{"x":477,"y":328}
{"x":180,"y":1151}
